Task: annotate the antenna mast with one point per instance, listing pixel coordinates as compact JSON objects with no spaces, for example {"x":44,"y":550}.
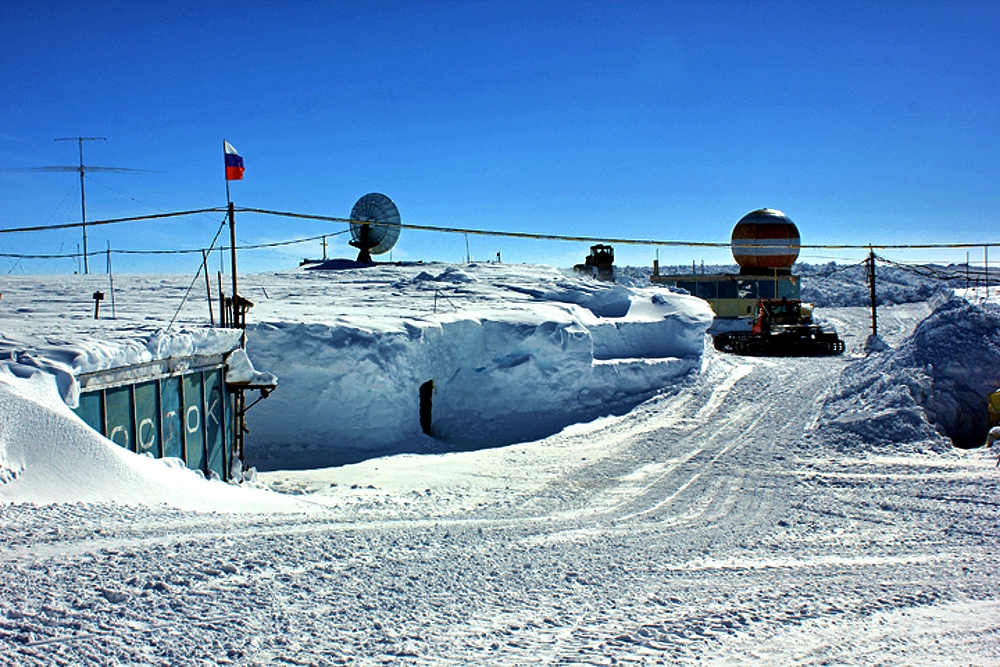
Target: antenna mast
{"x":83,"y":195}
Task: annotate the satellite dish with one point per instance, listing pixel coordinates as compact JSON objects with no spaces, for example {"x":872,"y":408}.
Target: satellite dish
{"x":374,"y":226}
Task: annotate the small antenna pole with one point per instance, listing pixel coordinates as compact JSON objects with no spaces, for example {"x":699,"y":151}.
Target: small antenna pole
{"x":111,"y":284}
{"x":986,"y":268}
{"x":324,"y":248}
{"x":83,"y":195}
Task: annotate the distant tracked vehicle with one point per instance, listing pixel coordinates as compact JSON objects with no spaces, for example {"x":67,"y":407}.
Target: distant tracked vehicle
{"x":599,"y":263}
{"x":782,"y":327}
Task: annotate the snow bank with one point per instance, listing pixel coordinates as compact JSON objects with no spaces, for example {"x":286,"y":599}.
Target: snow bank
{"x":48,"y":455}
{"x":519,"y":353}
{"x":936,"y":383}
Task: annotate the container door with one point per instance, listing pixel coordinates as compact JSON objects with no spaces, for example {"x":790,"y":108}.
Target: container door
{"x":194,"y":432}
{"x":89,"y":410}
{"x":172,"y":438}
{"x":214,"y":416}
{"x":120,"y":416}
{"x":147,"y":419}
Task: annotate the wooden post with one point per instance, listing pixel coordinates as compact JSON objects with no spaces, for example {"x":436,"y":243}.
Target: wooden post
{"x":208,"y":285}
{"x":222,"y":304}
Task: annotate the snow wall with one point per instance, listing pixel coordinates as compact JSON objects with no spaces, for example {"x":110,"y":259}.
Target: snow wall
{"x":502,"y":372}
{"x":934,"y":384}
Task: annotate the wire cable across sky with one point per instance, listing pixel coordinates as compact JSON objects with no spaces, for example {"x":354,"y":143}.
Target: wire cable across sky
{"x":434,"y":228}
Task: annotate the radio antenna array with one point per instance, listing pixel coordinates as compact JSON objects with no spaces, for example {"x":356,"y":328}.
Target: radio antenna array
{"x":82,"y":169}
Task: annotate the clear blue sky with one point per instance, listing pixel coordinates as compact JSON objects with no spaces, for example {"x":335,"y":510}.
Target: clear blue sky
{"x":864,"y":122}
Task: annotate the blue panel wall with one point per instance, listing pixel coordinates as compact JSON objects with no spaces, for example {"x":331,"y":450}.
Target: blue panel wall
{"x":91,"y":410}
{"x":120,"y":417}
{"x":194,"y":432}
{"x":171,"y":426}
{"x":147,"y":418}
{"x":190,"y":417}
{"x":214,"y":420}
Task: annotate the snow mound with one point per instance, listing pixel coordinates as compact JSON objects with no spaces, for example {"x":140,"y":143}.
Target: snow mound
{"x":514,"y":354}
{"x":48,"y":455}
{"x":830,"y":285}
{"x":936,"y":383}
{"x":452,"y":274}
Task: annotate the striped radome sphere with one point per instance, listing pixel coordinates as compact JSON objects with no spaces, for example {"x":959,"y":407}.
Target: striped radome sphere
{"x":765,"y":239}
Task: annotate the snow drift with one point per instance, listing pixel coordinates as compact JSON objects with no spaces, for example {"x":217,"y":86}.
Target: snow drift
{"x":934,"y":384}
{"x":86,"y":352}
{"x":48,"y":455}
{"x":520,"y":353}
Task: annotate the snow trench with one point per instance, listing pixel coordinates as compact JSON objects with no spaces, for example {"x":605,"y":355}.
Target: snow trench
{"x":352,"y":390}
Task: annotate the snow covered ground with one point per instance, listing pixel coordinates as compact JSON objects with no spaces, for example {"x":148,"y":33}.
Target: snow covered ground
{"x":728,"y":519}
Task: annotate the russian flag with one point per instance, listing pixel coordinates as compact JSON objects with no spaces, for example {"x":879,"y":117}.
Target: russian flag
{"x":234,"y":163}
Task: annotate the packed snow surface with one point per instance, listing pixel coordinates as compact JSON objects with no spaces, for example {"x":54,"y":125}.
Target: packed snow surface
{"x":728,"y":520}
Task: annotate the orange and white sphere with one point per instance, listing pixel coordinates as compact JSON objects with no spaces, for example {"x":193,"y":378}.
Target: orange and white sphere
{"x":765,"y":239}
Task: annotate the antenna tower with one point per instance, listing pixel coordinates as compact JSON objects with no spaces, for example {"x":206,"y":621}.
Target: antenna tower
{"x":83,"y":194}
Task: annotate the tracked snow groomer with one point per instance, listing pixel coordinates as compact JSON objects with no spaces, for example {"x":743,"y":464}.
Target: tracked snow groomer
{"x":781,"y":327}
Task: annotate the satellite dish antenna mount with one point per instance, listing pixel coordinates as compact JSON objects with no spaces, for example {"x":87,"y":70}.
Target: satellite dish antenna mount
{"x":374,"y":226}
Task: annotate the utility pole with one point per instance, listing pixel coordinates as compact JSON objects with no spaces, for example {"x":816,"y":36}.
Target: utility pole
{"x":83,"y":195}
{"x":871,"y":283}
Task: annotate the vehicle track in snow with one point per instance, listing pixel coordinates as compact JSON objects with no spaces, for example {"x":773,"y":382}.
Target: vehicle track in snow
{"x":710,"y":524}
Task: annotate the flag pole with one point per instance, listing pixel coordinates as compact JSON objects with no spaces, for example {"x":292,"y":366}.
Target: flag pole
{"x":229,"y":199}
{"x":232,"y":242}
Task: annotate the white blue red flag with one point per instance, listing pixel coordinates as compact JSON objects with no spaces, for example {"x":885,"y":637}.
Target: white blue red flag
{"x":234,"y":163}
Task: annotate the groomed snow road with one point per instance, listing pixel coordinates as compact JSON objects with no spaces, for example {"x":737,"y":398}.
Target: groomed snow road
{"x":713,"y":525}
